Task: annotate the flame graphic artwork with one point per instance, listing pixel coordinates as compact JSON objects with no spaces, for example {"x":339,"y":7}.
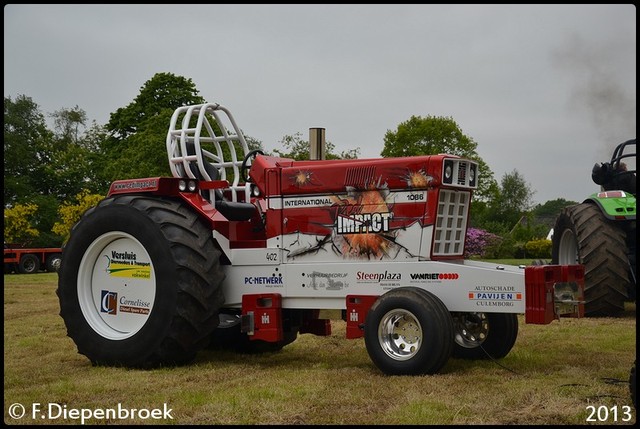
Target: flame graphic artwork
{"x":302,"y":178}
{"x":365,"y":204}
{"x":418,"y":179}
{"x":363,"y":219}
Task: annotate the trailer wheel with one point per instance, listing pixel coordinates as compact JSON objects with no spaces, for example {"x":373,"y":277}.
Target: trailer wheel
{"x":484,"y":335}
{"x":140,"y":283}
{"x":229,"y":336}
{"x":53,"y":262}
{"x":582,"y":235}
{"x":29,"y":264}
{"x":409,"y":331}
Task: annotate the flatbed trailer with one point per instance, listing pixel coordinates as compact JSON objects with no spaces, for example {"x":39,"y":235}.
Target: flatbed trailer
{"x":31,"y":260}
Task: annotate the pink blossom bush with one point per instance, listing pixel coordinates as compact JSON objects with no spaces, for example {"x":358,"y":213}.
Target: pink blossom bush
{"x":477,"y":241}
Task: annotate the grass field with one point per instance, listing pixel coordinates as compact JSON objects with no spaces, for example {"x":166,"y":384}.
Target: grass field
{"x":571,"y":372}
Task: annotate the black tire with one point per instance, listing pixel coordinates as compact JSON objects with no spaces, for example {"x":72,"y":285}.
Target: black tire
{"x":29,"y":264}
{"x":582,"y":235}
{"x":409,"y":331}
{"x":484,"y":335}
{"x":158,"y":303}
{"x":53,"y":262}
{"x":228,"y":336}
{"x":632,"y":385}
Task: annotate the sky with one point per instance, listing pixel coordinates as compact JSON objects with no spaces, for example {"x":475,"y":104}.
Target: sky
{"x":545,"y":90}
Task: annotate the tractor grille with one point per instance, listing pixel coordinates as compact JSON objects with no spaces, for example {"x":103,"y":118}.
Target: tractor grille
{"x":360,"y":177}
{"x":451,"y":223}
{"x":460,"y":173}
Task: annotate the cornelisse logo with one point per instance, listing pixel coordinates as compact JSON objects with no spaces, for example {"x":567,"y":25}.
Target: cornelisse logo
{"x":109,"y":302}
{"x":434,"y":276}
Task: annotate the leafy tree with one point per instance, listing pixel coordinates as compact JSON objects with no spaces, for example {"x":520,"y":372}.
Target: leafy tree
{"x":71,"y":211}
{"x":515,"y":198}
{"x":163,"y":91}
{"x":18,"y":228}
{"x":27,"y":147}
{"x":298,"y":149}
{"x":95,"y":179}
{"x":68,"y":121}
{"x":44,"y":219}
{"x":71,"y":166}
{"x":137,"y":133}
{"x":547,"y":213}
{"x":433,"y":135}
{"x":509,"y":203}
{"x":552,"y":208}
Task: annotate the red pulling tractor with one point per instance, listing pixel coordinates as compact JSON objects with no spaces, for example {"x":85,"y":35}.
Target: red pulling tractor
{"x":246,"y":250}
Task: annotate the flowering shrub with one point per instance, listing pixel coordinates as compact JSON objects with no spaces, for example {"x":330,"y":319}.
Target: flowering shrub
{"x":538,"y":248}
{"x":477,"y":241}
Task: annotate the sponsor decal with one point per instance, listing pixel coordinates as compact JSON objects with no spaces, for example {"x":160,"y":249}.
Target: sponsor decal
{"x":386,"y":279}
{"x":125,"y":264}
{"x":135,"y":185}
{"x":495,"y":296}
{"x":363,"y":223}
{"x":328,"y":281}
{"x":134,"y":306}
{"x":270,"y":281}
{"x":364,"y":277}
{"x":422,"y":277}
{"x":109,"y":302}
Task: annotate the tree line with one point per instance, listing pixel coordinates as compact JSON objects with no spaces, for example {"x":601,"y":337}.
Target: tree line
{"x":53,"y":175}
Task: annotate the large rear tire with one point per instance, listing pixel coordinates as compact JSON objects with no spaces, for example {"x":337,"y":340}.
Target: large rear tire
{"x":409,"y":332}
{"x":484,"y":335}
{"x":582,"y":235}
{"x":140,"y":283}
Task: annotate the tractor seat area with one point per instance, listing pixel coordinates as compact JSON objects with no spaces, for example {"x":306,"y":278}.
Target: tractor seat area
{"x":232,"y":210}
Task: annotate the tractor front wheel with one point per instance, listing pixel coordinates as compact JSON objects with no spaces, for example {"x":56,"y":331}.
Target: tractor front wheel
{"x":409,"y":331}
{"x":484,"y":335}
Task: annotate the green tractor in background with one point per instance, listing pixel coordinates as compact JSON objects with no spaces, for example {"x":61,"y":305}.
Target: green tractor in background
{"x":600,"y":233}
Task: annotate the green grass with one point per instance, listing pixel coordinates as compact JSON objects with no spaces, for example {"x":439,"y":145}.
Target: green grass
{"x":553,"y":375}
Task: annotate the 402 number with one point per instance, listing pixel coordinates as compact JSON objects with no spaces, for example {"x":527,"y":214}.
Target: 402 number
{"x":606,"y":414}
